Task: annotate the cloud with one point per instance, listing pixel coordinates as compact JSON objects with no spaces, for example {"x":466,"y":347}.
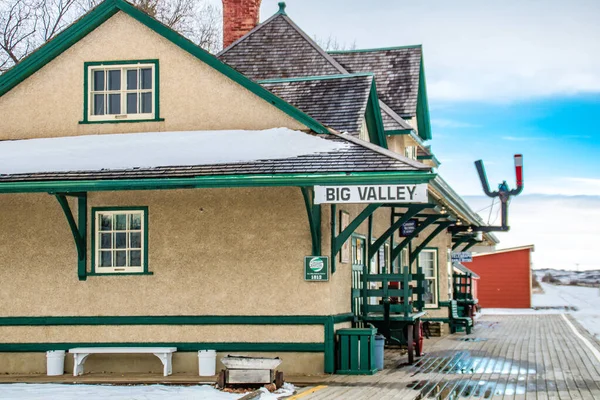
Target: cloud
{"x":492,"y":51}
{"x":562,"y":239}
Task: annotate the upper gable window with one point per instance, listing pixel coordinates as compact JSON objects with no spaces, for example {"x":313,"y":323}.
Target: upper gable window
{"x":121,"y":91}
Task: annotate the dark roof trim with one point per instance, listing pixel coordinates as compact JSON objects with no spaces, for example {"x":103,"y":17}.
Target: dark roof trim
{"x":226,"y":181}
{"x":374,"y":120}
{"x":102,"y":13}
{"x":423,"y":120}
{"x":412,"y":46}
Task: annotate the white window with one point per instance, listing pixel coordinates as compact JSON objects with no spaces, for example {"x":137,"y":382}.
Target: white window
{"x":120,"y":241}
{"x":364,"y":131}
{"x":411,"y":152}
{"x":401,"y":262}
{"x":450,"y":271}
{"x":428,"y":262}
{"x":121,"y":92}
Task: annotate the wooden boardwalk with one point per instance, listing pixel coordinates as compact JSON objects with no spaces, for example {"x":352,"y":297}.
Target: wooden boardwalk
{"x":508,"y":357}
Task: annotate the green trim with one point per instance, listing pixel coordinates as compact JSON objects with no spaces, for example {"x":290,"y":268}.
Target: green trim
{"x":145,"y":249}
{"x":374,"y":120}
{"x":393,"y":132}
{"x":329,"y":346}
{"x":428,"y":157}
{"x":413,"y":46}
{"x":121,"y":122}
{"x":423,"y":245}
{"x":437,"y":261}
{"x":82,"y":216}
{"x":119,"y":273}
{"x":342,"y":178}
{"x":410,"y":212}
{"x":339,"y":240}
{"x":175,"y":320}
{"x":181,"y":346}
{"x":78,"y":230}
{"x":428,"y":221}
{"x":107,"y":9}
{"x":315,"y":78}
{"x":470,"y":244}
{"x":423,"y":119}
{"x":86,"y":97}
{"x":314,"y":219}
{"x":281,"y":5}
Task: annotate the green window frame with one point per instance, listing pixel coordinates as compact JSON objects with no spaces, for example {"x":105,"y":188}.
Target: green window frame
{"x":120,"y":241}
{"x":434,"y":279}
{"x":123,"y":94}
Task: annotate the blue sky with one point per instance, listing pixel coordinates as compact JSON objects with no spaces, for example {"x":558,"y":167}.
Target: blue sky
{"x":503,"y":77}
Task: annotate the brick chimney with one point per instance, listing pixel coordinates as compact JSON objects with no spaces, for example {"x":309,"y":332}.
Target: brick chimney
{"x":239,"y":18}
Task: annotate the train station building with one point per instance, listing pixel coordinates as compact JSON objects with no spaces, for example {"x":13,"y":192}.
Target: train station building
{"x":253,"y":202}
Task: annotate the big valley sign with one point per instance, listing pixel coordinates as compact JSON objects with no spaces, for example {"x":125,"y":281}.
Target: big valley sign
{"x":371,"y":194}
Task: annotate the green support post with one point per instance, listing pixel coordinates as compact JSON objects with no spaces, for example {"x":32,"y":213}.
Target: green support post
{"x":471,"y":244}
{"x":411,"y":212}
{"x":442,"y":226}
{"x":338,"y":241}
{"x":428,"y":221}
{"x":78,"y":229}
{"x":329,"y":346}
{"x":314,"y":219}
{"x":460,"y":241}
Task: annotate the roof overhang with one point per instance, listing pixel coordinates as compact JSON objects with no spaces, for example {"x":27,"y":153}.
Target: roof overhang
{"x":225,"y":181}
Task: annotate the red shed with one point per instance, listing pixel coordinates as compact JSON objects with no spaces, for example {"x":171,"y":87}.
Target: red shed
{"x":505,"y":277}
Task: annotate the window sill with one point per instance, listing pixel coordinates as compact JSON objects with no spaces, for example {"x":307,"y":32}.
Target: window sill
{"x":122,"y":121}
{"x":118,"y":273}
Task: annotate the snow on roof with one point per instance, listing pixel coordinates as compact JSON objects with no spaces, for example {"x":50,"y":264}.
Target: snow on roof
{"x":507,"y":250}
{"x":157,"y":149}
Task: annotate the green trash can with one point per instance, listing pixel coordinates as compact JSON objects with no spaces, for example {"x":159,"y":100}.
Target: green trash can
{"x":356,"y":351}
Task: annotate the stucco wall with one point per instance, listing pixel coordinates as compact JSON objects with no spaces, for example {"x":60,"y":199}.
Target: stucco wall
{"x":213,"y":251}
{"x":193,"y":96}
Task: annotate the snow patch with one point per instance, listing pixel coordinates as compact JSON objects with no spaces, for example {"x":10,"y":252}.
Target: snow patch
{"x":25,"y":391}
{"x":157,"y":149}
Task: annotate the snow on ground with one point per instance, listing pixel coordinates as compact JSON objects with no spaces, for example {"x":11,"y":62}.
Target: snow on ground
{"x":156,"y":149}
{"x":585,"y":299}
{"x":26,"y":391}
{"x":557,"y":299}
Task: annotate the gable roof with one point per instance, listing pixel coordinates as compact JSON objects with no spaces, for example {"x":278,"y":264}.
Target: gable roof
{"x":400,"y":77}
{"x":331,"y":155}
{"x":338,"y":101}
{"x":278,"y":48}
{"x":105,"y":10}
{"x":397,"y":72}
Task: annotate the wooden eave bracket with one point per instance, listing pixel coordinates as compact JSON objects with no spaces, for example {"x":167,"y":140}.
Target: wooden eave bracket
{"x":410,"y":213}
{"x":338,"y":241}
{"x":441,"y":227}
{"x":78,"y":229}
{"x":314,"y":219}
{"x":428,"y":221}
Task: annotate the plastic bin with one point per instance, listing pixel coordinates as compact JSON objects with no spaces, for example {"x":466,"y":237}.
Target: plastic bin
{"x":207,"y":362}
{"x":356,"y":351}
{"x":55,"y":362}
{"x":379,"y":351}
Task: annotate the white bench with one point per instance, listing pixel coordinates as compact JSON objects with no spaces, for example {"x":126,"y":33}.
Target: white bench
{"x":165,"y":355}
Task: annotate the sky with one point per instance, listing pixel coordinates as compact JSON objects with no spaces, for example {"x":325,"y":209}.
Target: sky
{"x":503,"y":77}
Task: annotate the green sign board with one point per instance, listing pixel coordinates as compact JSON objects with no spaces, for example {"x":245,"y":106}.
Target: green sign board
{"x":316,"y":268}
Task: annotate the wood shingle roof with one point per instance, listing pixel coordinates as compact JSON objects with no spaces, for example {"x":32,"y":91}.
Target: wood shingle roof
{"x":397,"y":71}
{"x":339,"y":102}
{"x":355,"y":156}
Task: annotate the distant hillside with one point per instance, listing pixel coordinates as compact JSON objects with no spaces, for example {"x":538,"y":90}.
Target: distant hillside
{"x":591,"y":277}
